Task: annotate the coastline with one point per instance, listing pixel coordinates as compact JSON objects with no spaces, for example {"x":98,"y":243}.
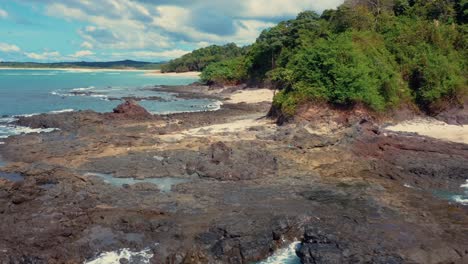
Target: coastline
{"x":181,"y":74}
{"x":146,"y":72}
{"x":72,"y":69}
{"x":220,"y":170}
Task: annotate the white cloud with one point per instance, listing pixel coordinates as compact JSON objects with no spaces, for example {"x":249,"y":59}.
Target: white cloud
{"x":149,"y":28}
{"x":82,"y":53}
{"x":86,"y":45}
{"x":53,"y":55}
{"x":5,"y":47}
{"x":281,"y":8}
{"x":3,"y":13}
{"x":150,"y":55}
{"x":114,"y":24}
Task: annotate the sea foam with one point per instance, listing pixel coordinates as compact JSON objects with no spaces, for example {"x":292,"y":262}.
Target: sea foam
{"x":284,"y":256}
{"x":9,"y":130}
{"x":111,"y":257}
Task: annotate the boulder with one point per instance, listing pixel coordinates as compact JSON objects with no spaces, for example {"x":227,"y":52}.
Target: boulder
{"x":131,"y":109}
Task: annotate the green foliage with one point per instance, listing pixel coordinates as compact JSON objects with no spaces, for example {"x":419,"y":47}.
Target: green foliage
{"x":225,"y":72}
{"x":200,"y":58}
{"x":379,"y":53}
{"x":346,"y":69}
{"x":273,"y":46}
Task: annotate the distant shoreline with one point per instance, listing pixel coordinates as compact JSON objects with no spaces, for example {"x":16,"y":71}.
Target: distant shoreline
{"x":72,"y":68}
{"x":145,"y":71}
{"x":182,"y":74}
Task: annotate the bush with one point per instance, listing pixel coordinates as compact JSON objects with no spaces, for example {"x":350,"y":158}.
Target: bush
{"x":227,"y":72}
{"x":346,"y":69}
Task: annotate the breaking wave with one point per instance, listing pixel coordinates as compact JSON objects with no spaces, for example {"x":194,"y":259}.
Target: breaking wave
{"x":111,"y":257}
{"x":284,"y":256}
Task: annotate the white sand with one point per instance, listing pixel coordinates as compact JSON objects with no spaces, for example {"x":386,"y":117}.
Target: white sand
{"x":433,"y":128}
{"x":252,"y":96}
{"x":232,"y":127}
{"x":227,"y":131}
{"x":173,"y":74}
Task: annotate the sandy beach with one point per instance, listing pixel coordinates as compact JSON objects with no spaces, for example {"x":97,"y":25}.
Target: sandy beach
{"x":433,"y":128}
{"x":180,"y":74}
{"x":252,"y":96}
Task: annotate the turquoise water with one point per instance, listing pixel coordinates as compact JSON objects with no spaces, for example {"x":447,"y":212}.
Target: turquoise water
{"x":26,"y":92}
{"x":285,"y":255}
{"x":41,"y":91}
{"x":460,"y":197}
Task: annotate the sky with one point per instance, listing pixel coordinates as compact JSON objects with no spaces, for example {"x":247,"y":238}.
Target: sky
{"x":147,"y":30}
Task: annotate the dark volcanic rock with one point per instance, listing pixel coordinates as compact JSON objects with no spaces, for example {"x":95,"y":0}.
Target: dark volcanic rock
{"x":457,"y":115}
{"x":341,"y":193}
{"x":320,"y":246}
{"x":131,"y":109}
{"x":418,"y":161}
{"x":241,"y":162}
{"x":63,"y":121}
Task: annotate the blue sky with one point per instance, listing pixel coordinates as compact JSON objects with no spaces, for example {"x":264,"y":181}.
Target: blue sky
{"x":149,"y":30}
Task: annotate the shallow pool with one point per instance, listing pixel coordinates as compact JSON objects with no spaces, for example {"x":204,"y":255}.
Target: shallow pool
{"x":164,"y":184}
{"x":14,"y":177}
{"x":460,"y":197}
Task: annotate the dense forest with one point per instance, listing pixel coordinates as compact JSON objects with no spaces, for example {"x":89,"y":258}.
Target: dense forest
{"x":378,"y":53}
{"x":199,"y":59}
{"x":125,"y":64}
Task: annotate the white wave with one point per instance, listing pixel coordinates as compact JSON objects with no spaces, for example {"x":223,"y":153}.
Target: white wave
{"x":207,"y":108}
{"x":98,"y":95}
{"x":284,"y":256}
{"x":41,"y":74}
{"x":62,"y":111}
{"x":460,"y":199}
{"x":465,"y":185}
{"x":28,"y":115}
{"x":82,"y":89}
{"x":68,"y":94}
{"x":112,"y":257}
{"x":10,"y":130}
{"x":7,"y":120}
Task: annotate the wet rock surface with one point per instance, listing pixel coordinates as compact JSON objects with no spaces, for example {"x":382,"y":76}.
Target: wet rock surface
{"x":342,"y":192}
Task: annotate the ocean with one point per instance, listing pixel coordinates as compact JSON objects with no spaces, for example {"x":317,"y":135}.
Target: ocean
{"x":35,"y":91}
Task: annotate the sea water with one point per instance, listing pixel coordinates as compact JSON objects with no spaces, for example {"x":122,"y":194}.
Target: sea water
{"x":460,"y":197}
{"x":34,"y":91}
{"x":285,"y":255}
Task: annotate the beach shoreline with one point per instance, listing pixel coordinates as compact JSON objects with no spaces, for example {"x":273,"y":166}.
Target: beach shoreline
{"x":71,"y":69}
{"x":179,"y":74}
{"x":146,"y":72}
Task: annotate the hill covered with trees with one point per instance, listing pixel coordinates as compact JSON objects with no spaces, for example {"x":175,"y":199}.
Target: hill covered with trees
{"x":200,"y":58}
{"x":379,"y":53}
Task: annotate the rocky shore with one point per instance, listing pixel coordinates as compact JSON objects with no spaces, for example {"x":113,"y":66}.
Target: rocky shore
{"x":240,"y":187}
